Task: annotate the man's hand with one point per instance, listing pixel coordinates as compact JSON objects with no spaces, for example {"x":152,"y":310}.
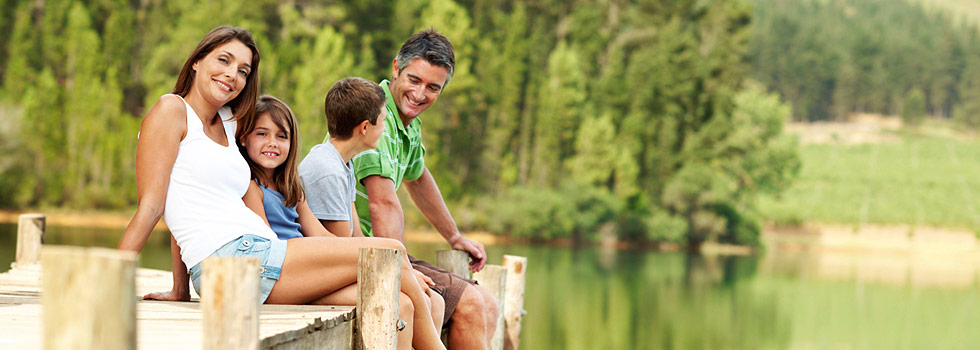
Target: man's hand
{"x":169,"y":295}
{"x":478,"y":255}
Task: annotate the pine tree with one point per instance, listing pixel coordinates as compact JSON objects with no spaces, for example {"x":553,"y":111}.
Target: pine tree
{"x":562,"y":106}
{"x":329,"y":60}
{"x":914,"y":108}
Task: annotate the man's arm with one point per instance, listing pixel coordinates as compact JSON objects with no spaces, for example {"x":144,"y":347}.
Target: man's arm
{"x":425,"y":193}
{"x":387,"y":219}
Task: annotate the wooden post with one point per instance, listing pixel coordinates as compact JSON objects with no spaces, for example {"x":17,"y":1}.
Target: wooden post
{"x":455,"y":261}
{"x":494,"y":279}
{"x":30,"y":234}
{"x":88,"y":297}
{"x":230,"y":302}
{"x":378,"y":287}
{"x":514,"y":300}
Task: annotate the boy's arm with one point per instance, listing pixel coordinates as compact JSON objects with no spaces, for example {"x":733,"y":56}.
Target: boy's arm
{"x":356,"y":224}
{"x":387,"y":219}
{"x":425,"y":193}
{"x":326,"y":202}
{"x":181,"y":290}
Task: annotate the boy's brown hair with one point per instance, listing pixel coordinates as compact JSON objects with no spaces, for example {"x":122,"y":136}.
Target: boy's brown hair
{"x":349,"y":103}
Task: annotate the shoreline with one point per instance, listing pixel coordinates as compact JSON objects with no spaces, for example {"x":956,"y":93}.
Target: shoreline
{"x":119,"y":220}
{"x":868,"y":238}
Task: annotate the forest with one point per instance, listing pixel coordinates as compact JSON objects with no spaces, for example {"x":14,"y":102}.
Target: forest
{"x":832,"y":58}
{"x":654,"y":121}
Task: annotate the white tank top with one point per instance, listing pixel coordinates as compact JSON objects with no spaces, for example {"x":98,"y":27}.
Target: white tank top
{"x":204,"y":208}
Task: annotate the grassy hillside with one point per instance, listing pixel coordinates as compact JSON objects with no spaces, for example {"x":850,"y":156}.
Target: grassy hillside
{"x":967,"y":9}
{"x":929,"y":178}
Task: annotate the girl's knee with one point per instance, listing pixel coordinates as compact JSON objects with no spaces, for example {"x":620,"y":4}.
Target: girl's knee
{"x":405,"y":307}
{"x":391,"y":243}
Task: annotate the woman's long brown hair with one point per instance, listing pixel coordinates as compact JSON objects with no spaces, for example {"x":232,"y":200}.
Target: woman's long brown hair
{"x":285,"y":176}
{"x":244,"y":104}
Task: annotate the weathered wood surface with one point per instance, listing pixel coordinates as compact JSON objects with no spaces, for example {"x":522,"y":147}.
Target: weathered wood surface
{"x":230,"y":305}
{"x":455,"y":261}
{"x":30,"y":234}
{"x":89,"y":304}
{"x":378,"y":288}
{"x":513,"y":308}
{"x":172,"y":325}
{"x":494,"y":279}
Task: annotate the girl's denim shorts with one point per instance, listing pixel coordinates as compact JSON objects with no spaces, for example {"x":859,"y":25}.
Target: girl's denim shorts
{"x":272,"y":253}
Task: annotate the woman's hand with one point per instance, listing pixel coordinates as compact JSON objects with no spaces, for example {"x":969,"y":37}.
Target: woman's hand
{"x":170,"y":295}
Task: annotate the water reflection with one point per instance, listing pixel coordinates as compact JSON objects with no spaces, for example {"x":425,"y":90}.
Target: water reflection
{"x":589,"y":298}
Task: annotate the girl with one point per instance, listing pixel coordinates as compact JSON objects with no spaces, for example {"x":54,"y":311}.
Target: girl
{"x":269,"y":146}
{"x":188,"y":173}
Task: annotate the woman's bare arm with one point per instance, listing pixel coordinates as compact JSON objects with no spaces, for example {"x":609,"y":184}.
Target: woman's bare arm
{"x":161,"y":131}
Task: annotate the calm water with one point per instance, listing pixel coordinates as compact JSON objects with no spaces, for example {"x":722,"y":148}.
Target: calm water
{"x":589,"y":299}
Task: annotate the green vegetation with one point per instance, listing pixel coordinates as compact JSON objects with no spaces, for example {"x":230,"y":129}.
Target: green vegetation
{"x":595,"y":113}
{"x":832,"y":58}
{"x":919,"y":180}
{"x":639,"y":118}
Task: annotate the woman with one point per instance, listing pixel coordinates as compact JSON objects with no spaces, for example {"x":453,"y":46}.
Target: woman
{"x":189,"y":170}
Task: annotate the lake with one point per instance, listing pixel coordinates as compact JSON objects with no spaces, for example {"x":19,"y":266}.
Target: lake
{"x":589,"y":298}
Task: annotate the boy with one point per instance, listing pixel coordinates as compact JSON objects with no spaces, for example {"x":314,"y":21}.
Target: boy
{"x":354,"y":108}
{"x":355,"y":112}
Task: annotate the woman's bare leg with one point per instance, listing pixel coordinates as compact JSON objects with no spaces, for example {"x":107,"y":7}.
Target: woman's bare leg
{"x":318,"y":266}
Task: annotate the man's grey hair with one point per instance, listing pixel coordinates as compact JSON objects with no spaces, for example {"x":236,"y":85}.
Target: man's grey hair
{"x":431,"y":46}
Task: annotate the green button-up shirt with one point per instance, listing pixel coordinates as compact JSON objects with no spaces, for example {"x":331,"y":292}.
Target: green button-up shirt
{"x":399,"y":156}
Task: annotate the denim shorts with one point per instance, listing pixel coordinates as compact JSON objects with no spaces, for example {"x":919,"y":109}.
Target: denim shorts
{"x":272,"y":253}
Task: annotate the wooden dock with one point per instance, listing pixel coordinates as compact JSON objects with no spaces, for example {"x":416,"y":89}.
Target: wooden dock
{"x":82,"y":304}
{"x":172,"y":325}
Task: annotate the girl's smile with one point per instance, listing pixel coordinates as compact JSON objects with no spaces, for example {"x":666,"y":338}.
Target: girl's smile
{"x":267,"y":145}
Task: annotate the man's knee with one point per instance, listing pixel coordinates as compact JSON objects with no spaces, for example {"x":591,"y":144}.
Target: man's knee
{"x":490,"y":307}
{"x":471,"y":306}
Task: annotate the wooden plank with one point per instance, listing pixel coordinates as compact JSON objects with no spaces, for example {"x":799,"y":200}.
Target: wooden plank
{"x":89,"y":298}
{"x":30,"y":234}
{"x":169,"y":325}
{"x":514,"y":300}
{"x":230,"y":302}
{"x":378,"y":288}
{"x":455,"y":261}
{"x":494,"y":279}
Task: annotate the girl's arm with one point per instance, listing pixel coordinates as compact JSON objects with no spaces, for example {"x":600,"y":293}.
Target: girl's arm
{"x":253,"y":200}
{"x":309,"y":224}
{"x":156,"y":151}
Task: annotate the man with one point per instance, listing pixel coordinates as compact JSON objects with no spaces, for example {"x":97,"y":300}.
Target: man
{"x":420,"y":71}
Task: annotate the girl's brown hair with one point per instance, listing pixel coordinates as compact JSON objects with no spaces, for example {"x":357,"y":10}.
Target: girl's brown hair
{"x":285,"y":177}
{"x":244,"y":104}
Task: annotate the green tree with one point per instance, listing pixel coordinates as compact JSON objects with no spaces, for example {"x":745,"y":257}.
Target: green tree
{"x":914,"y":108}
{"x":596,"y":153}
{"x":562,"y":106}
{"x":314,"y":78}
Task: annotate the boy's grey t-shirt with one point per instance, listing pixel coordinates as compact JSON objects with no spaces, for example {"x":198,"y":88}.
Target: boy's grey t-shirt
{"x":328,"y":183}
